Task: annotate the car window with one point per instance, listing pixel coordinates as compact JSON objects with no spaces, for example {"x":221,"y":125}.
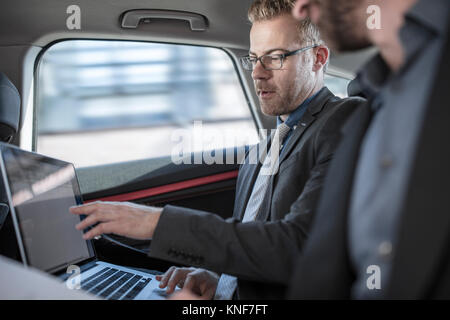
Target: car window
{"x":337,"y":85}
{"x":101,"y":102}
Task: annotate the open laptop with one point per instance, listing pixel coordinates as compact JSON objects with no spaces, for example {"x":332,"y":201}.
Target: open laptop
{"x":40,"y":191}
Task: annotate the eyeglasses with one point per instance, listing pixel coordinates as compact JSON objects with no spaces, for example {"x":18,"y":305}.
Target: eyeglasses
{"x":271,"y":61}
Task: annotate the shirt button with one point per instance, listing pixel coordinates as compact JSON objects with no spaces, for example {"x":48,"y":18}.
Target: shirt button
{"x":386,"y":161}
{"x":385,"y":249}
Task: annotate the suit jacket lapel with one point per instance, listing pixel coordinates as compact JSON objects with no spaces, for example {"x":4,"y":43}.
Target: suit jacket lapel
{"x":315,"y":107}
{"x":247,"y":177}
{"x":310,"y":115}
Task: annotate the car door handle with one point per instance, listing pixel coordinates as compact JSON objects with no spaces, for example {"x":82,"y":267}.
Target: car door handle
{"x":131,"y":19}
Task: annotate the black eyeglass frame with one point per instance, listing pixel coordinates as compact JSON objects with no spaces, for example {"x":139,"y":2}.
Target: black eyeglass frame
{"x":281,"y":56}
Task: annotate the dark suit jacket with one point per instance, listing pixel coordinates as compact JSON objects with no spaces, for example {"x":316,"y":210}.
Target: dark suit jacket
{"x":264,"y":250}
{"x":421,"y":262}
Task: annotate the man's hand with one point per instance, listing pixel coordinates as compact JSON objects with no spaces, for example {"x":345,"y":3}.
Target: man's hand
{"x":199,"y":281}
{"x":185,"y":295}
{"x":122,"y":218}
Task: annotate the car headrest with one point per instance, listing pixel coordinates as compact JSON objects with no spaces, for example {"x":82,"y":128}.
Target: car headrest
{"x":354,"y":89}
{"x":9,"y":109}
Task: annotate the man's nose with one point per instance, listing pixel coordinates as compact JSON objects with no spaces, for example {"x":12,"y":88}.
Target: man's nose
{"x":259,"y":72}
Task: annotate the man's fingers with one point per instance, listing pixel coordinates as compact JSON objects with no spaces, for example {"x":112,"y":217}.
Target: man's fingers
{"x":194,"y":283}
{"x":201,"y":282}
{"x":178,"y":275}
{"x":130,"y":221}
{"x":97,"y":206}
{"x":105,"y":227}
{"x":189,"y":283}
{"x":88,"y":221}
{"x":97,"y":213}
{"x":86,"y":209}
{"x":183,"y":277}
{"x":94,"y":218}
{"x":166,"y":276}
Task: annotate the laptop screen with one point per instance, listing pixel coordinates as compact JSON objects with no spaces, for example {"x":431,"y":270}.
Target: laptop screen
{"x":41,"y":191}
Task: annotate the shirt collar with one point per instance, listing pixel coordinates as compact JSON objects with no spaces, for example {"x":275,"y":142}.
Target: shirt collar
{"x":432,"y":14}
{"x":373,"y":76}
{"x":297,"y":114}
{"x":425,"y":20}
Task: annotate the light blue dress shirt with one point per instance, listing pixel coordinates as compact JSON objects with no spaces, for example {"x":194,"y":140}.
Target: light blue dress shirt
{"x":388,"y":148}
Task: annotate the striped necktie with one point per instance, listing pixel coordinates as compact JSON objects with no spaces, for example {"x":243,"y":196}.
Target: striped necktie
{"x":228,"y":284}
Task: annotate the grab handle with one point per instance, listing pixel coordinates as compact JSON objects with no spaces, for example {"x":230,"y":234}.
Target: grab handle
{"x":131,"y":19}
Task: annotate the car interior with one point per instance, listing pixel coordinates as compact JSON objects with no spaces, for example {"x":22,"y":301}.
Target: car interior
{"x":103,"y":84}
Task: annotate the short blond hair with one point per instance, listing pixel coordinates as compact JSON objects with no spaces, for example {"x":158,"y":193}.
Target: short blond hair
{"x":263,"y":10}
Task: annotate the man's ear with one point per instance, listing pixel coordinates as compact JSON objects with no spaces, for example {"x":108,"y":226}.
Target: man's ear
{"x":321,"y":55}
{"x":301,"y":9}
{"x":306,"y":9}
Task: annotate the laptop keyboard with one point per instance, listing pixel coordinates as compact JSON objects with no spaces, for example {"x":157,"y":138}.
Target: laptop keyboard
{"x":112,"y":284}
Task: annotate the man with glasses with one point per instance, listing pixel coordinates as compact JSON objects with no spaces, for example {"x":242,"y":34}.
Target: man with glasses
{"x":276,"y":197}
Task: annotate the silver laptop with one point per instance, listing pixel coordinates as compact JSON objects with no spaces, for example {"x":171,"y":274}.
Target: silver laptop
{"x":40,"y":191}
